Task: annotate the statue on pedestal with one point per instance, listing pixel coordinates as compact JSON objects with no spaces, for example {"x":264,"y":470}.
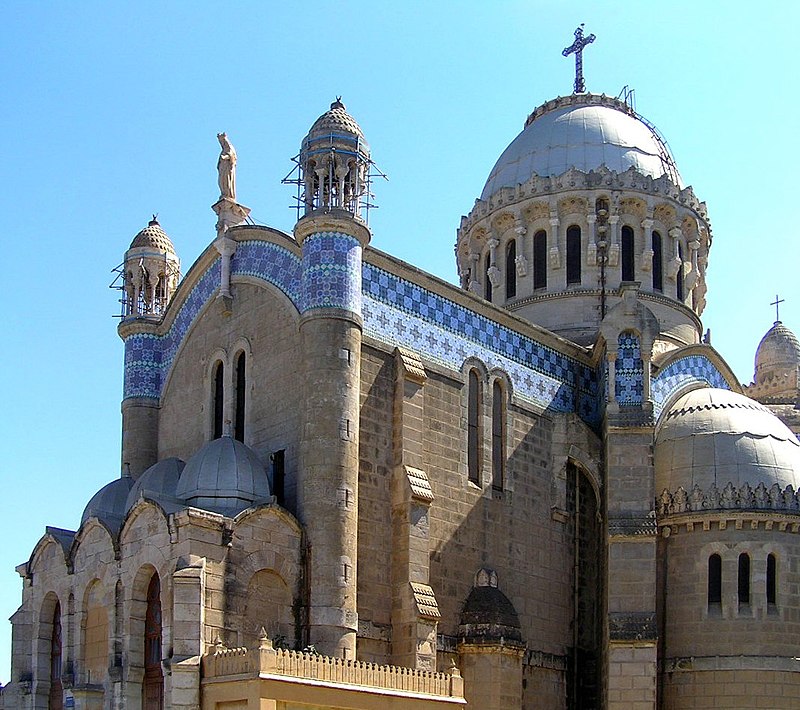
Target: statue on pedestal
{"x":226,"y":166}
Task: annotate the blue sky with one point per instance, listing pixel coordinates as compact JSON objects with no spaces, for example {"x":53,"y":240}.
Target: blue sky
{"x":111,"y":110}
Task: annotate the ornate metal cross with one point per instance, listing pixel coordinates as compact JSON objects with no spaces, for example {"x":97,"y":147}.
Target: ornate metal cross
{"x":576,"y":48}
{"x":777,"y":302}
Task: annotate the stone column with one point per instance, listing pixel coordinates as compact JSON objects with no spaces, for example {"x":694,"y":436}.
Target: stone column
{"x":330,"y":331}
{"x":555,"y":254}
{"x":613,"y":247}
{"x":646,"y":261}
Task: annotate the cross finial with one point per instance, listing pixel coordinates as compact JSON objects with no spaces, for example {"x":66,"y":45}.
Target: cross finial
{"x":576,"y":48}
{"x":777,"y":302}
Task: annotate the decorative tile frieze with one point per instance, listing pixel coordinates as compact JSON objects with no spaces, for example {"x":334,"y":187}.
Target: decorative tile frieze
{"x":629,"y":371}
{"x":683,"y":371}
{"x":331,"y":273}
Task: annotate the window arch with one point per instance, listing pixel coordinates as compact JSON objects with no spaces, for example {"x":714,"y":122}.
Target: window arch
{"x":241,"y":397}
{"x":573,"y":255}
{"x":658,"y":262}
{"x":679,"y":275}
{"x":627,"y":259}
{"x":511,"y":269}
{"x":714,"y":581}
{"x":540,"y":259}
{"x":744,"y":579}
{"x":772,"y":581}
{"x":153,"y":685}
{"x":498,"y":436}
{"x":56,"y":699}
{"x":487,"y":286}
{"x":473,"y":427}
{"x":218,"y":400}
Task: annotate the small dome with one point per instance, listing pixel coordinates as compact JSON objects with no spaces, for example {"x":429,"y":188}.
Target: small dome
{"x":585,"y":132}
{"x":715,"y":437}
{"x":158,"y":483}
{"x":777,"y":353}
{"x":108,"y":504}
{"x":335,"y":120}
{"x":489,"y":614}
{"x":225,"y":476}
{"x":154,"y":237}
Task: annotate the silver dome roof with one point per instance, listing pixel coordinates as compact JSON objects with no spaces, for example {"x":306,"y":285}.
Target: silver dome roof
{"x":582,"y":131}
{"x":158,"y":483}
{"x":225,"y":476}
{"x":714,"y":436}
{"x":108,"y":504}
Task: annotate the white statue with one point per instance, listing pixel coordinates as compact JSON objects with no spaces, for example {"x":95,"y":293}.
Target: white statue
{"x":226,"y":166}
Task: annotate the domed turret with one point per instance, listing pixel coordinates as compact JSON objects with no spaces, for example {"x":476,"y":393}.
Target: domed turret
{"x":776,"y":376}
{"x":151,"y":272}
{"x":225,"y":476}
{"x":334,"y":161}
{"x":585,"y":199}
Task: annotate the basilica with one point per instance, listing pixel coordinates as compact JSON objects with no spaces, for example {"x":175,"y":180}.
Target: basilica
{"x":346,"y":483}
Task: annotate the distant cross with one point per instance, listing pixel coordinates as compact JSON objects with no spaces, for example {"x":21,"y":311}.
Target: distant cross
{"x":777,"y":302}
{"x":576,"y":48}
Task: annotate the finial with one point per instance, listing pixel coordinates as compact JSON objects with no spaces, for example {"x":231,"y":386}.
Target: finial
{"x":338,"y":103}
{"x":777,"y":302}
{"x":576,"y":48}
{"x":154,"y":222}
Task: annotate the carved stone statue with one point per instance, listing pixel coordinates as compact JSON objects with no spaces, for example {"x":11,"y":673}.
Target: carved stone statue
{"x":226,"y":166}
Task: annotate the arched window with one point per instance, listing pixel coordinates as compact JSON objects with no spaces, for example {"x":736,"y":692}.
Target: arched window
{"x":772,"y":597}
{"x":511,"y":269}
{"x":714,"y":581}
{"x":473,"y":427}
{"x":95,"y":636}
{"x":628,"y":261}
{"x":658,"y":263}
{"x":540,"y":259}
{"x":153,"y":686}
{"x":487,"y":288}
{"x":278,"y":459}
{"x":573,"y":255}
{"x":498,"y":436}
{"x":241,"y":395}
{"x":219,"y":400}
{"x":744,"y":579}
{"x":56,"y":699}
{"x":679,"y":276}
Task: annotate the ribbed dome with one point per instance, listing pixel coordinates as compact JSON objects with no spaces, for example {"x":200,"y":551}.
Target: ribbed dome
{"x":335,"y":120}
{"x":777,"y":353}
{"x":224,"y":476}
{"x":582,"y":131}
{"x":108,"y":504}
{"x":158,"y":483}
{"x":154,"y":237}
{"x":713,"y":436}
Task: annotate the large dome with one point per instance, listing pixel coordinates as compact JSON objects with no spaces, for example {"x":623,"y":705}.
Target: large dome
{"x":715,"y":437}
{"x":585,"y":132}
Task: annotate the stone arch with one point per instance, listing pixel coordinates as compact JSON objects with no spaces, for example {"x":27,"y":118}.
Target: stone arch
{"x":269,"y":605}
{"x":83,"y":539}
{"x":43,"y":643}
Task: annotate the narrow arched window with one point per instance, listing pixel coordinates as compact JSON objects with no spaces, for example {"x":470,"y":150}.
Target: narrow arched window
{"x":153,"y":685}
{"x":628,"y":260}
{"x":56,"y":699}
{"x":540,"y":259}
{"x":279,"y":475}
{"x":714,"y":580}
{"x":744,"y":579}
{"x":511,"y":269}
{"x":772,"y":597}
{"x":658,"y":263}
{"x":218,"y":396}
{"x":679,"y":275}
{"x":473,"y":427}
{"x":573,"y":255}
{"x":498,"y":436}
{"x":487,"y":290}
{"x":241,"y":395}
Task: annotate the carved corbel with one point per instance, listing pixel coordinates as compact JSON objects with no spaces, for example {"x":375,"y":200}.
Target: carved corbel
{"x":522,"y":265}
{"x":493,"y":273}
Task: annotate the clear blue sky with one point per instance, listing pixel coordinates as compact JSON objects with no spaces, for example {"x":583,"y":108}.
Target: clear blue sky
{"x":110,"y":112}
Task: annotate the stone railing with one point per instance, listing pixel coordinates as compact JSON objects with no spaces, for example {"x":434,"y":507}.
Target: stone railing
{"x":267,"y":660}
{"x":744,"y":498}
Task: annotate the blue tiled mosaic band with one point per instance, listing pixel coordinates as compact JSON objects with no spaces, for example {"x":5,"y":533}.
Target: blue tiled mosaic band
{"x":399,"y":312}
{"x":629,"y":371}
{"x":331,"y":276}
{"x":692,"y":369}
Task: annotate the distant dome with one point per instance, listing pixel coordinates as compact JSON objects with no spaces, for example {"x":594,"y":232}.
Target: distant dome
{"x":777,"y":353}
{"x":225,"y":476}
{"x":108,"y":504}
{"x":335,"y":120}
{"x":154,"y":237}
{"x":159,"y":482}
{"x":582,"y":131}
{"x":714,"y":436}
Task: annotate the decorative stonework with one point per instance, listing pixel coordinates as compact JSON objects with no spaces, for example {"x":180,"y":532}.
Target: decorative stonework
{"x":419,"y":484}
{"x":425,"y":599}
{"x":730,"y":497}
